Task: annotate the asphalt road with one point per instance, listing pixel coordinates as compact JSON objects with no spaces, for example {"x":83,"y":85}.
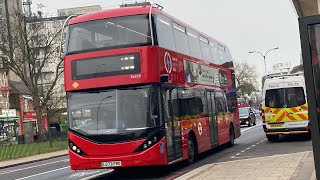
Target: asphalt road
{"x":251,"y":144}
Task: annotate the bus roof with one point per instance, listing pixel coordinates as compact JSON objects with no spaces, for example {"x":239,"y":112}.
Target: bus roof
{"x":110,"y":13}
{"x":134,"y":10}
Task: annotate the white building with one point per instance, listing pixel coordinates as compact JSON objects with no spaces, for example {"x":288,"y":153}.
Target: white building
{"x":282,"y":68}
{"x":52,"y":25}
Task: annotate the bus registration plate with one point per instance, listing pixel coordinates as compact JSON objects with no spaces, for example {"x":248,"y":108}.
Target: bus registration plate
{"x":111,"y":164}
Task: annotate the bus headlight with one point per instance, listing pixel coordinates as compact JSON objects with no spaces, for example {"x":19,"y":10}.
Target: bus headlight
{"x":75,"y":148}
{"x":145,"y":146}
{"x":151,"y":140}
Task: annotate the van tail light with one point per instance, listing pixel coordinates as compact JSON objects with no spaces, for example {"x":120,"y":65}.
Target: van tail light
{"x":262,"y":115}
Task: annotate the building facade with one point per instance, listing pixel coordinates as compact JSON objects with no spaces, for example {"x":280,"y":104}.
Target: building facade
{"x":52,"y":25}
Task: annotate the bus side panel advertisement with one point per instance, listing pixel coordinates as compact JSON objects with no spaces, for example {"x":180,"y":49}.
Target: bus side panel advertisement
{"x":201,"y":74}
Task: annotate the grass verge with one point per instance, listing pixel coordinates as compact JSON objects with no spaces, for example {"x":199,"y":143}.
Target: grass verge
{"x":25,"y":150}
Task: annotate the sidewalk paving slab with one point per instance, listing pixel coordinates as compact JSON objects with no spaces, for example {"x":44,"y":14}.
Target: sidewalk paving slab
{"x":31,"y":159}
{"x":295,"y":166}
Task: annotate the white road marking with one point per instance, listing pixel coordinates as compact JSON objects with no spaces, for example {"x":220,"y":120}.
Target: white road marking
{"x":251,"y":127}
{"x":96,"y":175}
{"x":11,"y":171}
{"x":242,"y":157}
{"x":46,"y":172}
{"x":82,"y":174}
{"x":252,"y":146}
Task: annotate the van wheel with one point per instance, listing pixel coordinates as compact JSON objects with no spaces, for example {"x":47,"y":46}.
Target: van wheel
{"x":308,"y":135}
{"x":191,"y":150}
{"x":273,"y":138}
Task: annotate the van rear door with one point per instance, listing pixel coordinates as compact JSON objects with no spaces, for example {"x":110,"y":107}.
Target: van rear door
{"x":275,"y":105}
{"x":285,"y":104}
{"x":296,"y":106}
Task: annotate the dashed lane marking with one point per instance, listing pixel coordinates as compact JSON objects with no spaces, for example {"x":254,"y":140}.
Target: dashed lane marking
{"x":46,"y":172}
{"x":252,"y":146}
{"x":251,"y":127}
{"x":15,"y":170}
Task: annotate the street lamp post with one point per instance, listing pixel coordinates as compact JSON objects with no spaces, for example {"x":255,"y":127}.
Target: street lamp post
{"x":264,"y":58}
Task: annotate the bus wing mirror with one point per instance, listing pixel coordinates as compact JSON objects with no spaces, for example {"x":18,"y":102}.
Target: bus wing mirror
{"x":164,"y":78}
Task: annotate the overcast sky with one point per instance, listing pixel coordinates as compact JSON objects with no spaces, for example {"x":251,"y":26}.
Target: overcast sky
{"x":243,"y":25}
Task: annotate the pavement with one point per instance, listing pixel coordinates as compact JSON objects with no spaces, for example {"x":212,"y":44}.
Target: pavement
{"x":295,"y":166}
{"x":31,"y":159}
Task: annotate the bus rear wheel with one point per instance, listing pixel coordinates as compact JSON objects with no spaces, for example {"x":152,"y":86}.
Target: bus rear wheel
{"x":191,"y":150}
{"x":231,"y":134}
{"x":273,"y":138}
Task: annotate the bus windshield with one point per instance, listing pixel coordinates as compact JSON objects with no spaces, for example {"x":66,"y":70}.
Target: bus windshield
{"x":113,"y":111}
{"x":119,"y":32}
{"x":285,"y":97}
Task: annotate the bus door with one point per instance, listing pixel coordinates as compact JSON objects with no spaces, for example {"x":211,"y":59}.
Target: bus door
{"x":221,"y":113}
{"x":172,"y":124}
{"x":212,"y":119}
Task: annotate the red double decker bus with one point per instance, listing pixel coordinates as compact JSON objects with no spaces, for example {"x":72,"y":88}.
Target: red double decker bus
{"x":145,"y":89}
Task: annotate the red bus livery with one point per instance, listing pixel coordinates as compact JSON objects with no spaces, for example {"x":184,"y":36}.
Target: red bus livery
{"x":145,"y":89}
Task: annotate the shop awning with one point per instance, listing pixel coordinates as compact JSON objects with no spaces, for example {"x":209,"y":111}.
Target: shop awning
{"x":306,"y":7}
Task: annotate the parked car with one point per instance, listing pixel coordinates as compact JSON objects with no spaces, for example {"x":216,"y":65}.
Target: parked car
{"x":247,"y":116}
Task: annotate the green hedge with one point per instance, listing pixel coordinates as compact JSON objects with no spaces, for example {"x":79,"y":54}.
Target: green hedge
{"x":24,"y":150}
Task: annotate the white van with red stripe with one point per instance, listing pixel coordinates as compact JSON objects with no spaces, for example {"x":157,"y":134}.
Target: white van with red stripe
{"x":285,"y":106}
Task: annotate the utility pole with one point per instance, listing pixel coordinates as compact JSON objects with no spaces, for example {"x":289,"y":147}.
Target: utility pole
{"x":264,"y":58}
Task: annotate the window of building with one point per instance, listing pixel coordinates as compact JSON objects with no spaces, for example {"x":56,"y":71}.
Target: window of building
{"x":4,"y":79}
{"x":193,"y":38}
{"x":181,"y":39}
{"x":165,"y":33}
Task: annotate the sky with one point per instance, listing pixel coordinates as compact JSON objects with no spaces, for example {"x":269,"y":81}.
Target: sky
{"x":243,"y":25}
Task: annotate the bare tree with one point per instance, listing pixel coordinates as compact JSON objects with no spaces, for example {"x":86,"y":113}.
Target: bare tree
{"x":246,"y":78}
{"x":27,"y":50}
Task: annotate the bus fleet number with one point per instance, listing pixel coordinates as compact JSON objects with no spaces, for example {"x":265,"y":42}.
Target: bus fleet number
{"x":136,"y":76}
